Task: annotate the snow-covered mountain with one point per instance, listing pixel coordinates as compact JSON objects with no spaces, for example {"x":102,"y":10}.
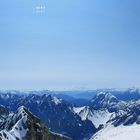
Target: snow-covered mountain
{"x":57,"y":114}
{"x":124,"y":123}
{"x":103,"y":114}
{"x":23,"y":125}
{"x":105,"y":100}
{"x":128,"y":116}
{"x":100,"y":109}
{"x":97,"y":117}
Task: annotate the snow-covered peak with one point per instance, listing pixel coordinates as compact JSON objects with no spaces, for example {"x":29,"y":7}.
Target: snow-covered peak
{"x":105,"y":100}
{"x":97,"y":117}
{"x":22,"y":111}
{"x":14,"y":124}
{"x":105,"y":96}
{"x":21,"y":108}
{"x":54,"y":99}
{"x":23,"y":125}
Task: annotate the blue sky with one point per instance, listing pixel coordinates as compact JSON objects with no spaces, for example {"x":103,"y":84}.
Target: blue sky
{"x":72,"y":44}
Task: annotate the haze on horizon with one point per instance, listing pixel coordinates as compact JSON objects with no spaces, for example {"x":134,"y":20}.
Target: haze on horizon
{"x":73,"y":44}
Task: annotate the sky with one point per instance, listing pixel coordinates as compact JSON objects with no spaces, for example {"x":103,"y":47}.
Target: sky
{"x":69,"y":44}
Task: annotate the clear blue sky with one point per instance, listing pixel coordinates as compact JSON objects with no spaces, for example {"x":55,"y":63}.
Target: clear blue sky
{"x":72,"y":44}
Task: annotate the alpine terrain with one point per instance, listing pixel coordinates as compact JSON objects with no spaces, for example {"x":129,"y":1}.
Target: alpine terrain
{"x":43,"y":115}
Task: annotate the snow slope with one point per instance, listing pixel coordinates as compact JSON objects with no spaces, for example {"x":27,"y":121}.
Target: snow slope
{"x":97,"y":117}
{"x":121,"y":132}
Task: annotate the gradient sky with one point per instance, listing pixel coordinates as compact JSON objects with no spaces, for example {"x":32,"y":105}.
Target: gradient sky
{"x":72,"y":44}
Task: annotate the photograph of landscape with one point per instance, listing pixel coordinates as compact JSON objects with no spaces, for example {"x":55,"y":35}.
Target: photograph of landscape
{"x":69,"y":69}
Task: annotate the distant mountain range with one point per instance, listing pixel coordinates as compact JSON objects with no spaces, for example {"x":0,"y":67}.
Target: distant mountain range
{"x":94,"y":119}
{"x":89,"y":94}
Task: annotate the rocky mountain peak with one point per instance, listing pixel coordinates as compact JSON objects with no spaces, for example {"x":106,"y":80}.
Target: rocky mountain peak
{"x":23,"y":125}
{"x":105,"y":100}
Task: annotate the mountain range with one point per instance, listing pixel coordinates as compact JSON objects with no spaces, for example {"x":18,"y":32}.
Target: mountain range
{"x":23,"y":125}
{"x":108,"y":116}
